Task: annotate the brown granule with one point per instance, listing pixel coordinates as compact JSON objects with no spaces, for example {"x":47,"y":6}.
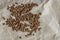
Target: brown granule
{"x":20,"y":37}
{"x":3,"y":18}
{"x":16,"y":3}
{"x":39,"y":29}
{"x":33,"y":34}
{"x":3,"y":23}
{"x":21,"y":13}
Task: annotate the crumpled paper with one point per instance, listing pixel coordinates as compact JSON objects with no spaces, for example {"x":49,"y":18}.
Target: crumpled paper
{"x":49,"y":19}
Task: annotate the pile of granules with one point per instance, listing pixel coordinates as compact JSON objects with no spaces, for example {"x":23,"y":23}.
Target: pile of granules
{"x":20,"y":14}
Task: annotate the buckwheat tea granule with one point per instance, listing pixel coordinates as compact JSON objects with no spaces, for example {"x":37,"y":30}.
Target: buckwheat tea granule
{"x":20,"y":14}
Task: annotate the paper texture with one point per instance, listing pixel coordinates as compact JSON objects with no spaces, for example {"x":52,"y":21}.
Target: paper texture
{"x":50,"y":20}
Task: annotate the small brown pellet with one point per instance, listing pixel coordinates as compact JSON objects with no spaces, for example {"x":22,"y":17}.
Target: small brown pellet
{"x":20,"y":37}
{"x":3,"y":23}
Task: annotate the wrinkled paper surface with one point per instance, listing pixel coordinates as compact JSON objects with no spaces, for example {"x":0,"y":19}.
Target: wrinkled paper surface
{"x":50,"y":20}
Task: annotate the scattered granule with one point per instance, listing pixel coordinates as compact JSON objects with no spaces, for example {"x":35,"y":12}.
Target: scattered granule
{"x":39,"y":29}
{"x":22,"y":13}
{"x":3,"y":23}
{"x":33,"y":34}
{"x":3,"y":18}
{"x":20,"y":37}
{"x":16,"y":3}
